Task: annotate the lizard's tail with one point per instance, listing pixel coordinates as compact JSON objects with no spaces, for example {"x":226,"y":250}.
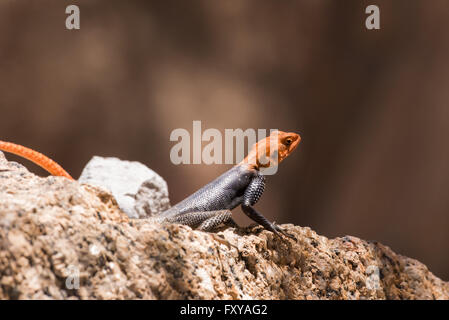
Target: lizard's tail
{"x":36,"y":157}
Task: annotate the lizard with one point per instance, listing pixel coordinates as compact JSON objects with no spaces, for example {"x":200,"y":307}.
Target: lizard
{"x":242,"y":185}
{"x":211,"y":205}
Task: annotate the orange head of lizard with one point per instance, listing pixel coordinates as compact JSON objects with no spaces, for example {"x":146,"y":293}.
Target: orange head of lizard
{"x":273,"y":149}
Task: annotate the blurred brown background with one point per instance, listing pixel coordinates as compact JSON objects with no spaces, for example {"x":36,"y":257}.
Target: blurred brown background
{"x":372,"y":106}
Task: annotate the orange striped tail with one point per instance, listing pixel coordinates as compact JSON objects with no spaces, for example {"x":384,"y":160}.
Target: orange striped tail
{"x":36,"y":157}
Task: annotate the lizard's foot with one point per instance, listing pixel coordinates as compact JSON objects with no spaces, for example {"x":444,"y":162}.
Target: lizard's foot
{"x":281,"y":231}
{"x":260,"y":219}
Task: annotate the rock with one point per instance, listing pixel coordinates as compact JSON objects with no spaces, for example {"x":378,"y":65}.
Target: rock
{"x":140,"y":192}
{"x":63,"y":240}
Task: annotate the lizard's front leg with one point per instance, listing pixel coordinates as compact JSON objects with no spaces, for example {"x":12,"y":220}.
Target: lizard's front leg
{"x":252,"y":194}
{"x":260,"y":219}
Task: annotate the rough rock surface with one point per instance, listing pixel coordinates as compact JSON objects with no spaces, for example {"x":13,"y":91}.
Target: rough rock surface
{"x":60,"y":239}
{"x":140,"y":192}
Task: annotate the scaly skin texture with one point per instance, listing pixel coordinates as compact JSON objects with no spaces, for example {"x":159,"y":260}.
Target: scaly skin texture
{"x":36,"y":157}
{"x":242,"y":185}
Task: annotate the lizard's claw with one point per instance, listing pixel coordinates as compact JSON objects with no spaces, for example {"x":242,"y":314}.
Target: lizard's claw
{"x":283,"y":232}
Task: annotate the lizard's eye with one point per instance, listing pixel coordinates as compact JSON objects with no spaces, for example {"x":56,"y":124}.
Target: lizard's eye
{"x":288,"y":141}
